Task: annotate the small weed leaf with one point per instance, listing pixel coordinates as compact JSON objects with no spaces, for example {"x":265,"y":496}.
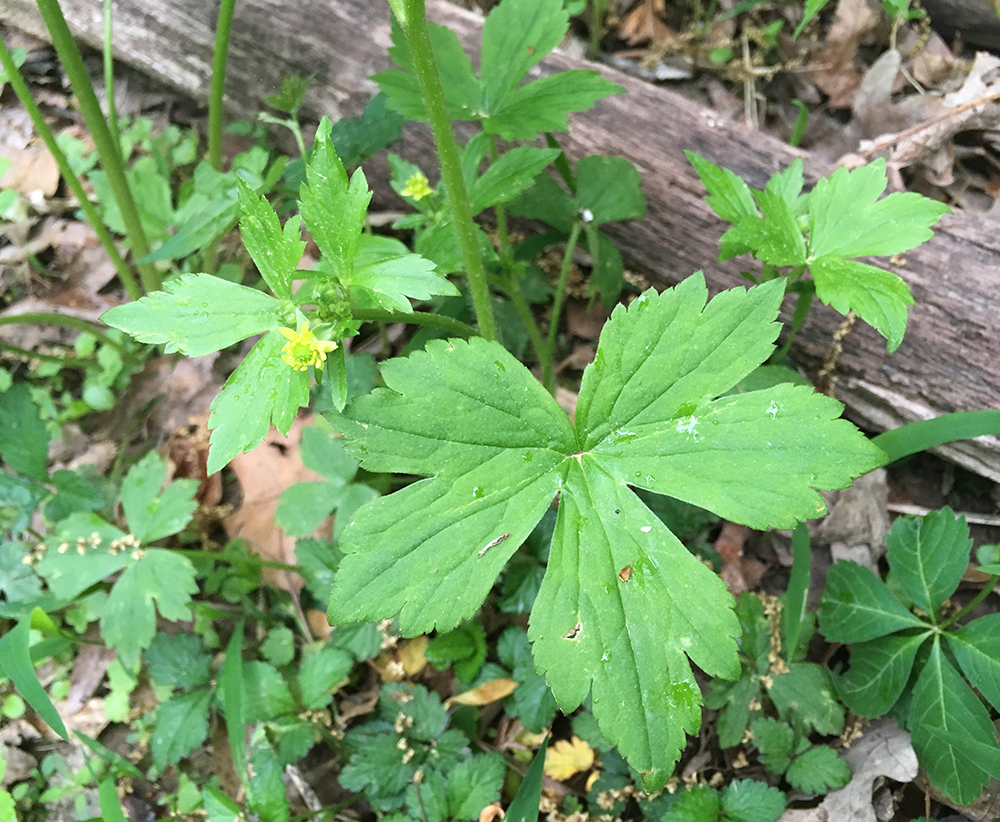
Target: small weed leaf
{"x":857,"y":606}
{"x":498,"y":449}
{"x":879,"y":672}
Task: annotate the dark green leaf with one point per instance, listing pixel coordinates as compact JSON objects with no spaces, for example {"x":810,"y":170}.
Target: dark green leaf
{"x":774,"y":742}
{"x":818,"y":770}
{"x":18,"y":500}
{"x":928,"y":556}
{"x":320,"y":673}
{"x":805,"y":698}
{"x":697,"y":804}
{"x":879,"y":671}
{"x":857,"y":606}
{"x":610,"y":189}
{"x":977,"y":649}
{"x":17,"y":581}
{"x":178,"y":659}
{"x":24,"y":440}
{"x":73,"y":493}
{"x":358,"y":138}
{"x":475,"y":783}
{"x":746,"y":800}
{"x":266,"y":796}
{"x":511,"y":174}
{"x":524,"y":806}
{"x":547,"y":201}
{"x":181,"y":726}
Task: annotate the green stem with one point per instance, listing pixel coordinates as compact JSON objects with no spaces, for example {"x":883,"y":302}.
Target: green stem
{"x":73,"y":322}
{"x":72,"y":63}
{"x":222,"y":29}
{"x":42,"y":128}
{"x":548,"y":377}
{"x":513,"y":290}
{"x":378,"y":315}
{"x":987,"y":590}
{"x":506,"y":255}
{"x":419,"y":39}
{"x":109,"y":76}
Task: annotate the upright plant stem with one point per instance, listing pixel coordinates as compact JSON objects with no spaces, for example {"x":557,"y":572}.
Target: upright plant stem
{"x":109,"y":75}
{"x":222,"y":29}
{"x":548,"y":376}
{"x":42,"y":128}
{"x":419,"y":39}
{"x":72,"y":63}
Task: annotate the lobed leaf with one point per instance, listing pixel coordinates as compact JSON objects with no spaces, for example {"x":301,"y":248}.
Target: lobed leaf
{"x":818,"y":771}
{"x":153,"y":513}
{"x":511,"y":174}
{"x":196,"y":314}
{"x":728,"y":195}
{"x":181,"y":726}
{"x":275,"y":251}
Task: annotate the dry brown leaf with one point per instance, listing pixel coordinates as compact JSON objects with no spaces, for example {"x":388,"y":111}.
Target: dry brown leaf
{"x":643,"y":24}
{"x":729,"y":547}
{"x":832,"y":67}
{"x":319,"y":624}
{"x":32,"y":169}
{"x":585,"y":320}
{"x":411,"y":654}
{"x":89,"y":667}
{"x":580,"y":358}
{"x":491,"y":813}
{"x":492,"y":691}
{"x":264,"y":473}
{"x":567,"y":757}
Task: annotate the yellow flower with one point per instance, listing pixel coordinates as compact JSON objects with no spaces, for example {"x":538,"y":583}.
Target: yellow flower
{"x":303,"y":349}
{"x":417,"y":187}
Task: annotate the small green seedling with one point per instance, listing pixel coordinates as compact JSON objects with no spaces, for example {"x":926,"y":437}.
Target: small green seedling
{"x":906,"y":647}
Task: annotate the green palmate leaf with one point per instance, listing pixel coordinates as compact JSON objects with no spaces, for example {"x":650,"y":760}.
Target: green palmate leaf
{"x":24,"y":440}
{"x":846,"y":218}
{"x":879,"y":297}
{"x":623,"y":603}
{"x":473,"y":784}
{"x":128,"y":622}
{"x":517,"y":34}
{"x":263,"y":391}
{"x":819,"y":770}
{"x":196,"y":314}
{"x":542,"y":105}
{"x":465,"y":646}
{"x":332,"y":206}
{"x":879,"y":671}
{"x":610,"y":188}
{"x":775,"y":237}
{"x":787,"y":184}
{"x":181,"y":726}
{"x":697,"y":804}
{"x":977,"y":649}
{"x":728,"y":195}
{"x":951,"y":731}
{"x":275,"y":252}
{"x":928,"y":557}
{"x":152,"y":515}
{"x":857,"y":606}
{"x":511,"y":174}
{"x":78,"y":554}
{"x":747,"y":800}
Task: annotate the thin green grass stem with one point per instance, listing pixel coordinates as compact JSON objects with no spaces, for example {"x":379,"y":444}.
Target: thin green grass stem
{"x":419,"y":39}
{"x":449,"y":324}
{"x":42,"y":128}
{"x":548,"y":376}
{"x":915,"y":437}
{"x":215,"y":97}
{"x":90,"y":108}
{"x":109,"y":75}
{"x":68,"y":362}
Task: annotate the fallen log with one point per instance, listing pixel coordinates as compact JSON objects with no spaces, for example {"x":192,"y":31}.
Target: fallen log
{"x":950,"y":358}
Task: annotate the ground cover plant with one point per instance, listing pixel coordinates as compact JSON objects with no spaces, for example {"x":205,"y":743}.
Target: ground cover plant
{"x":456,"y":479}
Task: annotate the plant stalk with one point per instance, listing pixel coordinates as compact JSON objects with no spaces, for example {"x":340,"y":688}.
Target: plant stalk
{"x":72,"y":63}
{"x":109,"y":75}
{"x":377,"y":315}
{"x":548,"y":377}
{"x":418,"y":36}
{"x":991,"y":583}
{"x":72,"y":322}
{"x":42,"y":128}
{"x":222,"y":30}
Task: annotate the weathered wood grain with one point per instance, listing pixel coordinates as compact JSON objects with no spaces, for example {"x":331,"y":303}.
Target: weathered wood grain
{"x":950,"y":359}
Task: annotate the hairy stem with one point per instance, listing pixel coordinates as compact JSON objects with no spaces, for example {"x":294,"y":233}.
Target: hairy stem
{"x":222,"y":29}
{"x":377,"y":315}
{"x":109,"y":75}
{"x":42,"y":128}
{"x":418,"y":36}
{"x":111,"y":162}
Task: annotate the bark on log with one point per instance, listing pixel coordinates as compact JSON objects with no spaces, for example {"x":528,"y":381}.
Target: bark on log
{"x":950,"y":358}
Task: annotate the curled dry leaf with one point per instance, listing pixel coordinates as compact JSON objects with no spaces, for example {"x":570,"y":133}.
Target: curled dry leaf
{"x":832,"y":67}
{"x":486,"y":693}
{"x":567,"y":757}
{"x":411,"y":654}
{"x":491,"y":813}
